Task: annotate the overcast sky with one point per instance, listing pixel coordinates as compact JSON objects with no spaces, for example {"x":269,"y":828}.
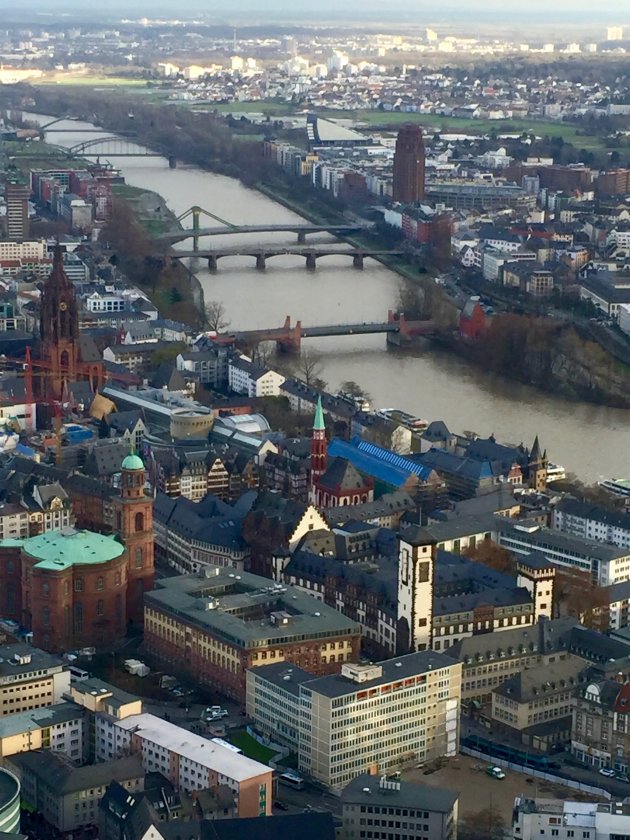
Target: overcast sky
{"x":603,"y":12}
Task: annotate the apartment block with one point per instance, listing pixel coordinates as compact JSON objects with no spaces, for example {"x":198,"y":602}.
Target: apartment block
{"x":65,"y":795}
{"x":368,"y":718}
{"x":190,"y":762}
{"x":61,"y":727}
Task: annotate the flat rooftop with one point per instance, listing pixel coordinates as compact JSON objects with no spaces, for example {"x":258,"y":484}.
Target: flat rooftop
{"x":240,"y":608}
{"x":39,"y":718}
{"x":370,"y":790}
{"x":194,"y":747}
{"x":39,"y":661}
{"x":98,"y":688}
{"x":398,"y":668}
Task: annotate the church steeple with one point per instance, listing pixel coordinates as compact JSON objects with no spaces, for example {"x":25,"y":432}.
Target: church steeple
{"x":319,"y":447}
{"x":59,"y":328}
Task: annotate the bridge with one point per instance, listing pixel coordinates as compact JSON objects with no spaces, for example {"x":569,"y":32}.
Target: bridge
{"x":288,"y":338}
{"x":103,"y":145}
{"x":262,"y":254}
{"x":196,"y":213}
{"x":111,"y":146}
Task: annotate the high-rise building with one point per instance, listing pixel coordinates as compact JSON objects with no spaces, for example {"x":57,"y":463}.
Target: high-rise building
{"x":17,"y":196}
{"x":409,"y":163}
{"x":614,"y":33}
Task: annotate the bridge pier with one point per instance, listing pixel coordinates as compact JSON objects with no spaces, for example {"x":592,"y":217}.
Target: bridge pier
{"x":261,"y":263}
{"x":311,"y":262}
{"x":172,"y":162}
{"x":357,"y":261}
{"x":212,"y":264}
{"x":301,"y":237}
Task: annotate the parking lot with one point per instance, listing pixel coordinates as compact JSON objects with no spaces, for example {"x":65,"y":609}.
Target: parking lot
{"x":467,"y":776}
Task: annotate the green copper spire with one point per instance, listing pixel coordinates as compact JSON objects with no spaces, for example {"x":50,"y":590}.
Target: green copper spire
{"x":318,"y":422}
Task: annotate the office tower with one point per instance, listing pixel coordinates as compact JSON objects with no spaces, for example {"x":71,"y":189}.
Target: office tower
{"x":17,"y":196}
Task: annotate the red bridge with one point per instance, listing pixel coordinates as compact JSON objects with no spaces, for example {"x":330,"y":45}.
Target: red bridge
{"x":288,"y":338}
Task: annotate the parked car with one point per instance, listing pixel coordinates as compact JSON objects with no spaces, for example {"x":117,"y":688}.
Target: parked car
{"x":215,"y":713}
{"x":280,"y":805}
{"x":622,"y":777}
{"x":606,"y":771}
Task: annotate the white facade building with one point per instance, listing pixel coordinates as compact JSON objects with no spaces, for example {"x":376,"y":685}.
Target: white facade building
{"x":30,"y":250}
{"x":191,"y":762}
{"x":368,"y":718}
{"x":246,"y":377}
{"x":569,"y":820}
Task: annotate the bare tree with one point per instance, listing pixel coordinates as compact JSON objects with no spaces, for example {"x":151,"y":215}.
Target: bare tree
{"x":309,"y":368}
{"x":487,"y":824}
{"x":216,"y":318}
{"x":262,"y":352}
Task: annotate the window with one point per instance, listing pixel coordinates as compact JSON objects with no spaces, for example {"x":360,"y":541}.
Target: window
{"x":423,"y":572}
{"x":45,"y":589}
{"x":138,"y":558}
{"x":100,"y":583}
{"x":78,"y":617}
{"x":46,"y":616}
{"x":78,"y":585}
{"x":139,"y":522}
{"x":100,"y":607}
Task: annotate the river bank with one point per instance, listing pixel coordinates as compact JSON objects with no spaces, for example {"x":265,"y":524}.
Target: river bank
{"x":424,"y":380}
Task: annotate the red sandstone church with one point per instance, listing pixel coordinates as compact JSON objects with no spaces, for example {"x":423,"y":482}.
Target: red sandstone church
{"x":64,"y":355}
{"x":79,"y":588}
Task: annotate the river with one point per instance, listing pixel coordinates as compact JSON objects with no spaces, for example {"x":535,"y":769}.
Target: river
{"x":588,"y":440}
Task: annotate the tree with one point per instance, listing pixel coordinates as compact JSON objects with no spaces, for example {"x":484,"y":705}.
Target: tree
{"x":493,"y":556}
{"x":216,"y":318}
{"x":575,"y":594}
{"x":353,"y":389}
{"x":309,"y":369}
{"x":262,"y":352}
{"x":487,"y":824}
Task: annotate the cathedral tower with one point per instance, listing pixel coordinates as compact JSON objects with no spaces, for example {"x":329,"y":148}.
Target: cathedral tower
{"x":59,"y":329}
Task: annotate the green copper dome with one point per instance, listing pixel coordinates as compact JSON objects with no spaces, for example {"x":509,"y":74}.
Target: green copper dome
{"x":132,"y":462}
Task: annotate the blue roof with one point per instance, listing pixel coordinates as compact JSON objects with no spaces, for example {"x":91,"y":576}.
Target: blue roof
{"x":382,"y":464}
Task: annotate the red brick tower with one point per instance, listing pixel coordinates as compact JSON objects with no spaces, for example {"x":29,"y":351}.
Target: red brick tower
{"x":409,"y":164}
{"x":319,"y":449}
{"x":134,"y":517}
{"x":59,"y":329}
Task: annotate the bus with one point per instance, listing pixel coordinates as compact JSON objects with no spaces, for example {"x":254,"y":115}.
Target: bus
{"x":291,"y":779}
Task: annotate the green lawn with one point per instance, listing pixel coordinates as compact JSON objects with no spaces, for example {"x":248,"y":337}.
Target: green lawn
{"x":540,"y":128}
{"x":88,"y":80}
{"x":250,"y":746}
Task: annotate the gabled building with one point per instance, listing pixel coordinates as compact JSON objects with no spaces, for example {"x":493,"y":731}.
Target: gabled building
{"x":274,"y":528}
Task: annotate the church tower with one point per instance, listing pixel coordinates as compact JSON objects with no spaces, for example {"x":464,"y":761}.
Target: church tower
{"x":537,"y":467}
{"x":319,"y":449}
{"x":59,"y":329}
{"x":134,"y":521}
